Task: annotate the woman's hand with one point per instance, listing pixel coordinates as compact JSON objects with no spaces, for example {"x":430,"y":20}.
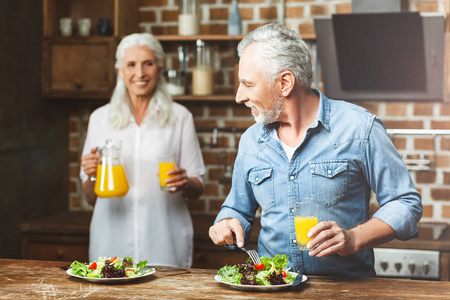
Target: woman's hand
{"x":178,"y":180}
{"x":89,"y":163}
{"x":191,"y":187}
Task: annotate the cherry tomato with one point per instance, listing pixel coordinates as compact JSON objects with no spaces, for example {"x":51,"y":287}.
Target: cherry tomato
{"x":283,"y":273}
{"x":259,"y":266}
{"x":93,"y":266}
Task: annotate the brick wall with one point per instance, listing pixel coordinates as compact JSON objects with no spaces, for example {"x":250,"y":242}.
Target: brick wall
{"x":219,"y":151}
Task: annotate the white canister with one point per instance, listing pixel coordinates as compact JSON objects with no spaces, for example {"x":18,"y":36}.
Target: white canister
{"x":188,"y":17}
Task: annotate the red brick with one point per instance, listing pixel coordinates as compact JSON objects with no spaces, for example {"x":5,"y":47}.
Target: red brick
{"x":246,"y":13}
{"x":211,"y":190}
{"x":198,"y":205}
{"x":423,"y":109}
{"x":319,"y":10}
{"x":427,"y":211}
{"x":147,"y":16}
{"x":205,"y":123}
{"x":399,"y":143}
{"x":370,"y":106}
{"x":213,"y":29}
{"x":345,"y":8}
{"x":169,"y":15}
{"x":396,"y":109}
{"x":445,"y":143}
{"x":446,"y":211}
{"x":268,"y":13}
{"x":446,"y":178}
{"x":440,"y":194}
{"x":440,"y":124}
{"x":445,"y":109}
{"x":442,"y":161}
{"x":423,"y":143}
{"x":425,"y":177}
{"x":306,"y":29}
{"x":145,"y":3}
{"x":218,"y":13}
{"x":295,"y":12}
{"x":215,"y":205}
{"x":427,"y":6}
{"x":239,"y":123}
{"x":403,"y":124}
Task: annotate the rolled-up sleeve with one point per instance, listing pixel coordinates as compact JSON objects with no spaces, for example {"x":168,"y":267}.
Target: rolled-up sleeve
{"x":400,"y":203}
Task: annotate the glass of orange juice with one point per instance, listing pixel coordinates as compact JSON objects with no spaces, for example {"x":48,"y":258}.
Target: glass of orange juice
{"x":166,"y":163}
{"x":305,"y":216}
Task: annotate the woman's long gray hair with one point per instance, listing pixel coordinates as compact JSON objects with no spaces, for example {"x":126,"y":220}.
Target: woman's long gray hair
{"x":281,"y":49}
{"x":160,"y":106}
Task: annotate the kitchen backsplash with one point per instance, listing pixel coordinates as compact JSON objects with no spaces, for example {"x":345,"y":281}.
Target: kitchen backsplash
{"x":220,"y":124}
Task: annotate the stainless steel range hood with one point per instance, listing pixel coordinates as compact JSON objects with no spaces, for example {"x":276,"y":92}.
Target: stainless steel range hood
{"x":382,"y":56}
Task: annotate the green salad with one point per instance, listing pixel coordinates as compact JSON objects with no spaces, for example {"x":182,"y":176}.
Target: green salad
{"x":271,"y":271}
{"x":115,"y":267}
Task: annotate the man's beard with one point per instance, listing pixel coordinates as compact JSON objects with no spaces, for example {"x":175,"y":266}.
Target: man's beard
{"x":271,"y":115}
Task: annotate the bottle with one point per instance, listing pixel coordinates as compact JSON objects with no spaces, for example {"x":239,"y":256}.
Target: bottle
{"x":203,"y":73}
{"x":234,"y":19}
{"x":188,"y":17}
{"x":111,"y":179}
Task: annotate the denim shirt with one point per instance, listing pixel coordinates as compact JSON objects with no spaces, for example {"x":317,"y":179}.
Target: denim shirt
{"x":346,"y":153}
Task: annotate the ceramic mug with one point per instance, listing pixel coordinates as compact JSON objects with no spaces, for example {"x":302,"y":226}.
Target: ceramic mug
{"x":84,"y":26}
{"x":65,"y":25}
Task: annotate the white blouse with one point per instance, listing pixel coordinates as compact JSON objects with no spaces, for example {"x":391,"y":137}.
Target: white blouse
{"x":147,"y":223}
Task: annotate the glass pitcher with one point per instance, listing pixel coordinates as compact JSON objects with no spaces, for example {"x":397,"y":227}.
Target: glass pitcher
{"x":111,"y":178}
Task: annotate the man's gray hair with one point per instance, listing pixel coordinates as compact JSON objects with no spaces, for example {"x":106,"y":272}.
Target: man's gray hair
{"x":279,"y":49}
{"x":160,"y":106}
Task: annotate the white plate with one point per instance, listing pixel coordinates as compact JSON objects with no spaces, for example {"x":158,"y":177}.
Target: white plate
{"x":261,"y":288}
{"x":146,"y":271}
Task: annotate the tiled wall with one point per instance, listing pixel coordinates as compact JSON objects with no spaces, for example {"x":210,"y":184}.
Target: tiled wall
{"x":160,"y":17}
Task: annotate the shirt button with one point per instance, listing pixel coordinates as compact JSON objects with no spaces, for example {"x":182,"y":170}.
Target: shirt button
{"x":257,"y":179}
{"x":292,"y":177}
{"x":294,"y":241}
{"x":329,"y":171}
{"x":293,"y":210}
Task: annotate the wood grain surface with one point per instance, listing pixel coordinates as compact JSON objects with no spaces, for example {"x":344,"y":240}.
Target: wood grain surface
{"x":31,"y":279}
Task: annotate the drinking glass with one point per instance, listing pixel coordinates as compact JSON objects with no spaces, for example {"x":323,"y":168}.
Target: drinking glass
{"x":305,"y":216}
{"x":166,"y":163}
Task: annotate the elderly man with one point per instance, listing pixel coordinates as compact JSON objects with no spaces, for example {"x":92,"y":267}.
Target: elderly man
{"x":305,"y":145}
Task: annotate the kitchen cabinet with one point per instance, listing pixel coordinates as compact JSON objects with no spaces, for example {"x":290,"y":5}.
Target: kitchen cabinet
{"x":77,"y":66}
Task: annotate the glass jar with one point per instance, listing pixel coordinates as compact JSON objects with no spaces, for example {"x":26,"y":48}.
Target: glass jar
{"x":111,"y":179}
{"x":175,"y":82}
{"x":203,"y":71}
{"x":188,"y":17}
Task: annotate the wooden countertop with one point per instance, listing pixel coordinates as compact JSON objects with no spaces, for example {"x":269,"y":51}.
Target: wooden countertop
{"x":29,"y":279}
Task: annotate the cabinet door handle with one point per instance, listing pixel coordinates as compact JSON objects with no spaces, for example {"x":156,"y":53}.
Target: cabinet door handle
{"x":78,"y":87}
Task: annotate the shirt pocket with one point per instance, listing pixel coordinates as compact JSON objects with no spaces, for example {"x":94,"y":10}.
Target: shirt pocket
{"x":329,"y":181}
{"x":261,"y":181}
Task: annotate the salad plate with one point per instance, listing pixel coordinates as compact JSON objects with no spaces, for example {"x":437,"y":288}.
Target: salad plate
{"x":144,"y":272}
{"x":259,"y":288}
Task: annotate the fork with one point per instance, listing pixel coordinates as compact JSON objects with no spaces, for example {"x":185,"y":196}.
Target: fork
{"x":252,"y":253}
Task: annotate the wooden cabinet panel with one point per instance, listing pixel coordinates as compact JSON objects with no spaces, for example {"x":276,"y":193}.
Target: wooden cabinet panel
{"x":78,"y":69}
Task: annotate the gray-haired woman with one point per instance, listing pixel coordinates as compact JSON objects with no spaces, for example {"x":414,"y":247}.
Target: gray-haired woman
{"x":146,"y":223}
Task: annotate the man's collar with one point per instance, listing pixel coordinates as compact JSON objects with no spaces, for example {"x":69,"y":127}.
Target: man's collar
{"x":323,"y":116}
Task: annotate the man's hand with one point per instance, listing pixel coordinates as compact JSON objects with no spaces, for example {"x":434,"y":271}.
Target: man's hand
{"x":222,"y":232}
{"x":330,"y":238}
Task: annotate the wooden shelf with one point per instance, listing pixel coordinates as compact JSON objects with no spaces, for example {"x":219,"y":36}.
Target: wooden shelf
{"x":208,"y":98}
{"x":213,"y":37}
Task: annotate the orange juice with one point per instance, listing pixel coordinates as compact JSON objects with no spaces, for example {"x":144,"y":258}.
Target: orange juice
{"x":111,"y":181}
{"x":164,"y":167}
{"x":302,"y":227}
